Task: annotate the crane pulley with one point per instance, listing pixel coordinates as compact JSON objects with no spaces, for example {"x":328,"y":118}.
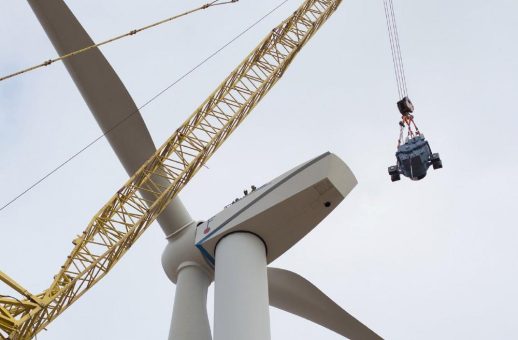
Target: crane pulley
{"x":116,"y":227}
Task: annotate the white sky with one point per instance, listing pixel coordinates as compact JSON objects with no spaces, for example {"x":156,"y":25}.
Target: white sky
{"x":433,"y":259}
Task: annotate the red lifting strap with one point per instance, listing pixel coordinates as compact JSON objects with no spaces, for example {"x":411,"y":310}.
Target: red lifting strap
{"x":407,"y":120}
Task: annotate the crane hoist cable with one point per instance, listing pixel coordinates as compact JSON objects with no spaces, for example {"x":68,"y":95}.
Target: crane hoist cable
{"x":395,"y":48}
{"x":121,"y":36}
{"x":117,"y":226}
{"x":405,"y":106}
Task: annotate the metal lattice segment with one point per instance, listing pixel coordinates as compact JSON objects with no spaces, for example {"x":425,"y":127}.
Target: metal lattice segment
{"x":129,"y":212}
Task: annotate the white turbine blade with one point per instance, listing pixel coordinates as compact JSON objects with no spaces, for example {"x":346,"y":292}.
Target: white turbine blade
{"x":105,"y":95}
{"x":293,"y":293}
{"x":101,"y":88}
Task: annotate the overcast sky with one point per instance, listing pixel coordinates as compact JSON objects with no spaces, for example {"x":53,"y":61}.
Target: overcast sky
{"x":434,"y":259}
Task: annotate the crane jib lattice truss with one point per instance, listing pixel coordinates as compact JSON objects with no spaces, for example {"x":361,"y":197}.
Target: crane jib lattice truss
{"x":128,"y":213}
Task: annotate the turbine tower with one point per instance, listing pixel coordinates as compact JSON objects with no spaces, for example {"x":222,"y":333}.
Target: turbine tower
{"x":235,"y":246}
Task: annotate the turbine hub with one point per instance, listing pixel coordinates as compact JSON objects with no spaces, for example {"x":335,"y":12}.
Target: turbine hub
{"x":181,"y":252}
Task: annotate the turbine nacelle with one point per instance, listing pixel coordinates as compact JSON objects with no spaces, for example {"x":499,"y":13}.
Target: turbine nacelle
{"x":284,"y":210}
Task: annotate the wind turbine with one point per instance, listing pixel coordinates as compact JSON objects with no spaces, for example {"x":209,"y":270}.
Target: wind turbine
{"x":189,"y":268}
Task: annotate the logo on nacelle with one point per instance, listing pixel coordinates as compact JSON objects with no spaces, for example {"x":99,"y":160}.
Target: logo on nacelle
{"x":207,"y":229}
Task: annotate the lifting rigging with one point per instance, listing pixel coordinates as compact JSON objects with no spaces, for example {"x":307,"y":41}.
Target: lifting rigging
{"x":117,"y":226}
{"x":414,"y":155}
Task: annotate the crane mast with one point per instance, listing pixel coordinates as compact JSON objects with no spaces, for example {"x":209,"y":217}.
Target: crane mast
{"x":116,"y":227}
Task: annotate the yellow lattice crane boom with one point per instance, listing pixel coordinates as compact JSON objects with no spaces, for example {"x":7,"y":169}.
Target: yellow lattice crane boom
{"x":115,"y":228}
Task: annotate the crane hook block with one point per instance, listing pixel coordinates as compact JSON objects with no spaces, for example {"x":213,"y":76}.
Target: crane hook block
{"x":405,"y":106}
